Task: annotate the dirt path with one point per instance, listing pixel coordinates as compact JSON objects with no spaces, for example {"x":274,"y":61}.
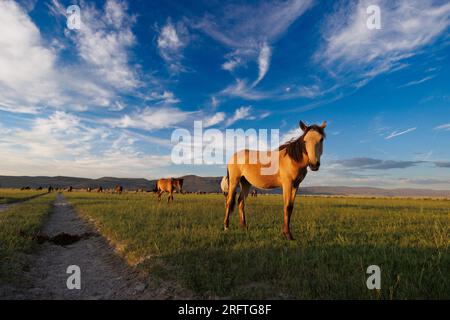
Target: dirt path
{"x":103,"y":274}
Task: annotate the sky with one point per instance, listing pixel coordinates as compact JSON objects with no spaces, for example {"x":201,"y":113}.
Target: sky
{"x":104,"y":99}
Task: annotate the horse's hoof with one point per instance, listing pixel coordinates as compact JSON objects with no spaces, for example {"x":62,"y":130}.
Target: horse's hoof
{"x":288,"y":236}
{"x":225,"y":229}
{"x":244,"y":227}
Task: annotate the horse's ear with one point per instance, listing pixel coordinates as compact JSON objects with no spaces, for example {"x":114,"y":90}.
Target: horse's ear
{"x":324,"y":125}
{"x":303,"y":126}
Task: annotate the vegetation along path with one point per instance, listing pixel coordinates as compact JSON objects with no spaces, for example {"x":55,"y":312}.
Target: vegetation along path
{"x":68,"y":240}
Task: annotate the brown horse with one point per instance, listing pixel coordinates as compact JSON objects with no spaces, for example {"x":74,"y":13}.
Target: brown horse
{"x":293,"y":159}
{"x":118,"y":189}
{"x":169,"y":186}
{"x":255,"y":193}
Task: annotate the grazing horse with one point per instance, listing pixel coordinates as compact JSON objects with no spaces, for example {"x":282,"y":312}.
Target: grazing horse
{"x":294,"y":157}
{"x":169,"y":186}
{"x":118,"y":189}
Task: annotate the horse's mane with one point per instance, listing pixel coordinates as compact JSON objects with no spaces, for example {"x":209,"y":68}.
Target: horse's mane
{"x":296,"y":146}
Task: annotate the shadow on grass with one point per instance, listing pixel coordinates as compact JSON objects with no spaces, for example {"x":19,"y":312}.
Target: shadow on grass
{"x":290,"y":271}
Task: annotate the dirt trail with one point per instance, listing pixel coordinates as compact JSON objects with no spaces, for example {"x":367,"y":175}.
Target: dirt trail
{"x":103,"y":274}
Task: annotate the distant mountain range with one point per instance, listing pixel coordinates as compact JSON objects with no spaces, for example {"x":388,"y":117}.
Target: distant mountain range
{"x":194,"y":183}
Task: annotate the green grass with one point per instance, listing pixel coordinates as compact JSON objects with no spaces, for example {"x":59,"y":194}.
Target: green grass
{"x":13,"y":195}
{"x":336,"y":240}
{"x":18,"y":225}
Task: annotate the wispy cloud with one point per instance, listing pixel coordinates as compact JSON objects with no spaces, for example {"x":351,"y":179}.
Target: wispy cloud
{"x":172,"y":39}
{"x":248,"y":30}
{"x":64,"y":144}
{"x":263,"y":62}
{"x":416,"y":82}
{"x":376,"y":164}
{"x":399,"y":133}
{"x":241,"y":113}
{"x":150,"y":118}
{"x":350,"y":47}
{"x":444,"y":127}
{"x":243,"y":90}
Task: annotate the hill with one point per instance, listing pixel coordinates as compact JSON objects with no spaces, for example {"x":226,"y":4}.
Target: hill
{"x":193,"y":183}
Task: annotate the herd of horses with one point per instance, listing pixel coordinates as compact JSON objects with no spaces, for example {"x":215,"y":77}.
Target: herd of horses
{"x":294,"y":157}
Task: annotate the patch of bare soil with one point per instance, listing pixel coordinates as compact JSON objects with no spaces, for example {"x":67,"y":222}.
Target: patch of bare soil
{"x":68,"y":240}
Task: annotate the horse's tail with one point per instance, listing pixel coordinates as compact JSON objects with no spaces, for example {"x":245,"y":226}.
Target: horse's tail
{"x":232,"y":197}
{"x":155,"y":189}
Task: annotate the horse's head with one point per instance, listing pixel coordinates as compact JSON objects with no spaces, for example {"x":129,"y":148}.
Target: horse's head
{"x":313,"y":138}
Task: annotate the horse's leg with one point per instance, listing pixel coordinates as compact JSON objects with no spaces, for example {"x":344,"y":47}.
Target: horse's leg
{"x":231,"y":199}
{"x":159,"y":195}
{"x":288,"y":197}
{"x":245,"y":188}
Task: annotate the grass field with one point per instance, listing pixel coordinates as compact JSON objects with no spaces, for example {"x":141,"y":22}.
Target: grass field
{"x":14,"y":195}
{"x":18,"y":225}
{"x":336,"y":240}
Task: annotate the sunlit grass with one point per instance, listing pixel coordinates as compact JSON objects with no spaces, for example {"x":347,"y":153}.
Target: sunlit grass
{"x":15,"y":195}
{"x":336,"y":240}
{"x":18,"y":225}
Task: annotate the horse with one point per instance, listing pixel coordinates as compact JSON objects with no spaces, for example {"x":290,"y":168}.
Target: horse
{"x":118,"y":189}
{"x":254,"y":193}
{"x":294,"y":157}
{"x":100,"y":190}
{"x":224,"y":186}
{"x":169,"y":186}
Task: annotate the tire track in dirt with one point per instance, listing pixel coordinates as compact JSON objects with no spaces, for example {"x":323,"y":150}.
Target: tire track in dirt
{"x":104,"y":275}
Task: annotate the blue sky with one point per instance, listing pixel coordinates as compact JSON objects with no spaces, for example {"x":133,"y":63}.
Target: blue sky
{"x":104,"y":100}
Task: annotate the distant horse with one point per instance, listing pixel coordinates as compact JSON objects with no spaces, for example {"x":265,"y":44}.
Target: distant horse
{"x":224,"y":186}
{"x":70,"y":189}
{"x":50,"y":189}
{"x":294,"y":157}
{"x":118,"y":189}
{"x":169,"y":186}
{"x":254,"y":193}
{"x":99,"y":190}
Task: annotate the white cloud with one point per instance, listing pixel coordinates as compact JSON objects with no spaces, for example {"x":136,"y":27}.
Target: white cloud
{"x":214,"y":119}
{"x":104,"y":41}
{"x":26,"y":64}
{"x":241,"y":89}
{"x":171,"y":41}
{"x":263,"y":62}
{"x":445,"y":127}
{"x":399,"y":133}
{"x":166,"y":97}
{"x":416,"y":82}
{"x":231,"y":64}
{"x":65,"y":144}
{"x":407,"y":27}
{"x":34,"y":77}
{"x":241,"y":113}
{"x":150,"y":118}
{"x":249,"y":29}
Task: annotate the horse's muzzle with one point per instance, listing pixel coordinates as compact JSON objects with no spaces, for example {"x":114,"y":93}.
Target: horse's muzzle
{"x":314,"y":167}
